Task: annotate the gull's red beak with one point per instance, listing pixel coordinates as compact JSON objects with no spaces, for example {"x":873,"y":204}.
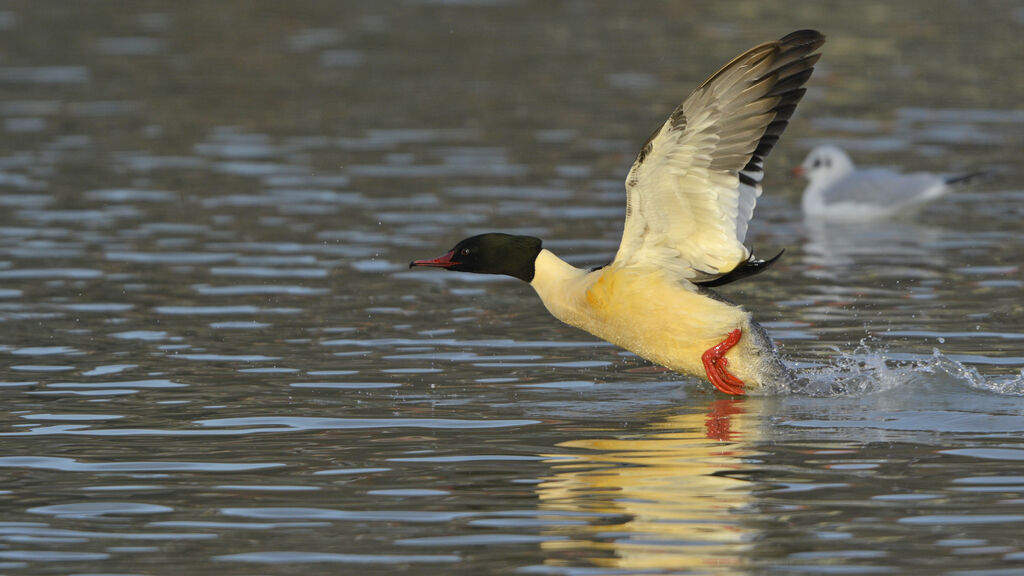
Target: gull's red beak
{"x":797,"y":171}
{"x":439,"y":262}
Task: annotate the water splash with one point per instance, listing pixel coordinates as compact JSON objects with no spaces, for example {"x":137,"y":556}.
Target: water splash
{"x":1005,"y":385}
{"x":870,"y":369}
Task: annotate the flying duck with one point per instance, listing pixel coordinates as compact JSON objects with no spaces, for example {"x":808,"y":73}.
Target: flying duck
{"x":689,"y":197}
{"x":837,"y":190}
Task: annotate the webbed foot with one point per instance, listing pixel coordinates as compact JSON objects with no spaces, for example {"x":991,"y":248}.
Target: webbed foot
{"x":716,"y":364}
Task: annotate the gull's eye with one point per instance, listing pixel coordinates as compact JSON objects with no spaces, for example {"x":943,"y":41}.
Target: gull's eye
{"x":465,"y":251}
{"x":817,"y":162}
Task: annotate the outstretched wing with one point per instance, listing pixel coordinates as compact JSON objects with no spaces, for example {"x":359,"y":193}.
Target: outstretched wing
{"x":692,"y":190}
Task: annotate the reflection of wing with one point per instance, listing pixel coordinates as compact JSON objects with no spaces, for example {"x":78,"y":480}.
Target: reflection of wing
{"x":692,"y":190}
{"x":884,"y":188}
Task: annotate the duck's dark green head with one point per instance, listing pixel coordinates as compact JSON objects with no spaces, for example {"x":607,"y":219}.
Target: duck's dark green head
{"x":490,"y":254}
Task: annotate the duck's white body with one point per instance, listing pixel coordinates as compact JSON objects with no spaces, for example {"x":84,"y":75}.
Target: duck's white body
{"x":653,"y":315}
{"x":689,"y":197}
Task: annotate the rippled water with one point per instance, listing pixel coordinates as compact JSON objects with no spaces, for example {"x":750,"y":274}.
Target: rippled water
{"x":214,"y":360}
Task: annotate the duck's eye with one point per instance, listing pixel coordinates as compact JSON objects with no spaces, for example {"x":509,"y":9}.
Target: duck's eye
{"x":466,"y":251}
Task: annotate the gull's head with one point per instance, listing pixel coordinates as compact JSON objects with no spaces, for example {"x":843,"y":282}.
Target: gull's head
{"x":825,"y":165}
{"x":492,"y":253}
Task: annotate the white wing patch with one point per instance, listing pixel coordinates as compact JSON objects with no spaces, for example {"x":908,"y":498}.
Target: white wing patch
{"x":694,"y":185}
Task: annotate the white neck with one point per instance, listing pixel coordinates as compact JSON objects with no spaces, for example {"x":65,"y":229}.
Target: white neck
{"x":813,"y":200}
{"x":559,"y":285}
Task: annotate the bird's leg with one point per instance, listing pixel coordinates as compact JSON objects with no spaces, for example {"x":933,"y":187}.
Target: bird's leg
{"x":715,"y":364}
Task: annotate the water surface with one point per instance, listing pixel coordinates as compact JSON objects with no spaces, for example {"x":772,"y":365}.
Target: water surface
{"x":215,"y":361}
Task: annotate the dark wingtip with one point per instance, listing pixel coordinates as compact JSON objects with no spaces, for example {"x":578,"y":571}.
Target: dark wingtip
{"x":749,"y":268}
{"x":963,"y":178}
{"x":803,"y":37}
{"x":797,"y":51}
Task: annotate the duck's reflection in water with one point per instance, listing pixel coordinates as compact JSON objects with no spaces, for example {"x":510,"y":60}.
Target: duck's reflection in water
{"x":675,"y":489}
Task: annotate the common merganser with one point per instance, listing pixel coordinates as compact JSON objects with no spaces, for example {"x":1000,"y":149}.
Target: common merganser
{"x":837,"y":190}
{"x":689,"y":197}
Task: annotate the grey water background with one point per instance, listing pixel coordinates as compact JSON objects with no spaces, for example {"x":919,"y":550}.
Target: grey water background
{"x":213,"y":359}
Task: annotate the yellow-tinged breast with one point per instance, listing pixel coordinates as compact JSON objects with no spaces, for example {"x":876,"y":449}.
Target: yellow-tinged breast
{"x":599,"y":293}
{"x":648,"y":313}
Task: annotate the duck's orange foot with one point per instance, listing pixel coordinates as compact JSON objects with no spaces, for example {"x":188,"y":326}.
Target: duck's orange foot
{"x":715,"y":364}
